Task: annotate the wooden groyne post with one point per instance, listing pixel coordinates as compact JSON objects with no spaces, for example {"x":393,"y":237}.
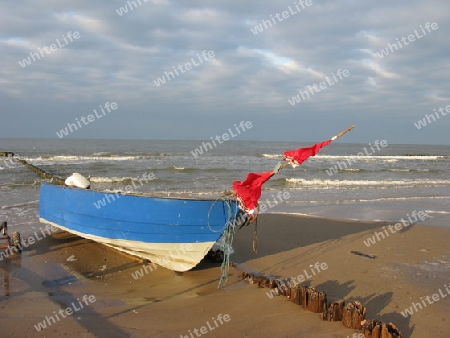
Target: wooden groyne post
{"x":352,"y":314}
{"x":42,"y":173}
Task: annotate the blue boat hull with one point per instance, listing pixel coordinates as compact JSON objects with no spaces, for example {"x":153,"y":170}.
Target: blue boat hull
{"x":174,"y":233}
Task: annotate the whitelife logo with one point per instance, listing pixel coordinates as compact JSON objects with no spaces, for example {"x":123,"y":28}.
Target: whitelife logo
{"x":35,"y":56}
{"x":295,"y":280}
{"x":109,"y":198}
{"x":184,"y":248}
{"x":341,"y":74}
{"x":414,"y":218}
{"x":204,"y":330}
{"x":206,"y":56}
{"x":341,"y":165}
{"x":90,"y":118}
{"x":417,"y":306}
{"x":281,"y":197}
{"x":431,"y":118}
{"x":221,"y":139}
{"x":280,"y":17}
{"x":30,"y":241}
{"x":65,"y":312}
{"x":129,"y":6}
{"x":411,"y":38}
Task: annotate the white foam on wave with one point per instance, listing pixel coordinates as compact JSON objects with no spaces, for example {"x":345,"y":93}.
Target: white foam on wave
{"x":102,"y":179}
{"x":351,"y":170}
{"x":442,"y":212}
{"x":312,"y":215}
{"x":367,"y":158}
{"x":100,"y":153}
{"x":92,"y":158}
{"x":19,"y":205}
{"x":337,"y":183}
{"x":272,"y":155}
{"x":95,"y":157}
{"x":381,"y":157}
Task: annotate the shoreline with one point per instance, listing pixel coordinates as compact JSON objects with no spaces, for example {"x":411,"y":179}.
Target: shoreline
{"x":52,"y":273}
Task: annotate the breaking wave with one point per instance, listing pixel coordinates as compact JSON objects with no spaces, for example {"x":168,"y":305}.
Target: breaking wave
{"x":374,"y":183}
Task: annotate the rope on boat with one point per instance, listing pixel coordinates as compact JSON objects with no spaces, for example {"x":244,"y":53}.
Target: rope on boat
{"x":227,"y":202}
{"x":228,"y":245}
{"x":42,"y":173}
{"x":255,"y":237}
{"x":228,"y":237}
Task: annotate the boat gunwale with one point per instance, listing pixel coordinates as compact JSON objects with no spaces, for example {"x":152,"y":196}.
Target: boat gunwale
{"x":148,"y":195}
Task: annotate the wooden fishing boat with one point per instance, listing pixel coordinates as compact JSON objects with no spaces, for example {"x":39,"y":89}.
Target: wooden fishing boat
{"x":172,"y":232}
{"x":175,"y":233}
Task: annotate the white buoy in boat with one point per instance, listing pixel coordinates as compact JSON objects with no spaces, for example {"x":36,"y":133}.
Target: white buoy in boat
{"x":78,"y":180}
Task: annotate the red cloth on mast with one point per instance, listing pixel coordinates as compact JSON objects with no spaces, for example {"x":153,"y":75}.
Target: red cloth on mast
{"x":297,"y":157}
{"x":249,"y":191}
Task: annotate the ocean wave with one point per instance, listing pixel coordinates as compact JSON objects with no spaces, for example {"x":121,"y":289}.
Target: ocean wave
{"x":352,"y":170}
{"x":366,"y":200}
{"x":386,"y":158}
{"x":100,"y":156}
{"x":272,"y":155}
{"x":442,"y":212}
{"x":101,"y":153}
{"x":183,"y":169}
{"x":18,"y":205}
{"x":72,"y":158}
{"x":383,"y":158}
{"x":380,"y":170}
{"x":325,"y":182}
{"x":191,"y":170}
{"x":102,"y":179}
{"x":400,"y":170}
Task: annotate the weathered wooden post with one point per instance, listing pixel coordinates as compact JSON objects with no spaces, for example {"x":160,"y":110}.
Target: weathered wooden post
{"x":351,"y":314}
{"x":354,"y":314}
{"x":304,"y":296}
{"x":378,"y":329}
{"x":334,"y":311}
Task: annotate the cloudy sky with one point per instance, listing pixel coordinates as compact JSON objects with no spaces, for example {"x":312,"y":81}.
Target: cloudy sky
{"x":250,"y":77}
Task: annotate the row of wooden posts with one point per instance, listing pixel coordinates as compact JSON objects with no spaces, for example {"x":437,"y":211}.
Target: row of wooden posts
{"x":352,"y":314}
{"x":42,"y":173}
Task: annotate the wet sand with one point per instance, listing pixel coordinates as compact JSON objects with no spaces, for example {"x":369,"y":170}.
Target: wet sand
{"x":55,"y":273}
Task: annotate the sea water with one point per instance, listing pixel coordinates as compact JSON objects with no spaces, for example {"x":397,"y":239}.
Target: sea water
{"x":381,"y":183}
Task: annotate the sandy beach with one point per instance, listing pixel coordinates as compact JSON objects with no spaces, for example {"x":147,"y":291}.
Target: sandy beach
{"x":90,"y":290}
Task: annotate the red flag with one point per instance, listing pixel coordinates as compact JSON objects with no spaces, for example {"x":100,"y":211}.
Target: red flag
{"x":249,"y":191}
{"x":297,"y":157}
